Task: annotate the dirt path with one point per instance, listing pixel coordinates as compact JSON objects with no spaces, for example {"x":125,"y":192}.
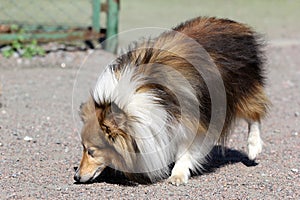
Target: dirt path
{"x":37,"y":102}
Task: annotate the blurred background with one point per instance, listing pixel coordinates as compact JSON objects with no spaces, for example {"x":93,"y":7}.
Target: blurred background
{"x":276,"y":19}
{"x":30,"y":28}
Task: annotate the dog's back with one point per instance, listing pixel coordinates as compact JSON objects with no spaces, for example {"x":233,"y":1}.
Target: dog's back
{"x":237,"y":52}
{"x":234,"y":48}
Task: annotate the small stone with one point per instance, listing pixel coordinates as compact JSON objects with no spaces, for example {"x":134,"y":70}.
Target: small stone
{"x":28,"y":139}
{"x":294,"y":133}
{"x":297,"y":114}
{"x":294,"y":170}
{"x":288,"y":84}
{"x":3,"y":112}
{"x":16,"y":55}
{"x":1,"y":144}
{"x":276,"y":131}
{"x":63,"y":65}
{"x":14,"y":175}
{"x":19,"y":61}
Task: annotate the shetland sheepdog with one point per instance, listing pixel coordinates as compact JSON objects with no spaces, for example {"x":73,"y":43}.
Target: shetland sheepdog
{"x":170,"y":99}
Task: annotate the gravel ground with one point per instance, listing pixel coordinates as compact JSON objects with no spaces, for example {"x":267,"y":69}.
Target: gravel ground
{"x":39,"y":143}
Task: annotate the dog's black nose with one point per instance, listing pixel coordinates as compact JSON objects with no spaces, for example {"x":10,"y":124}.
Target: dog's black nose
{"x":77,"y":177}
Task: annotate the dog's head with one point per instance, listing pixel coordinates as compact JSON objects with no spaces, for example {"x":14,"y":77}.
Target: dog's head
{"x":104,"y":140}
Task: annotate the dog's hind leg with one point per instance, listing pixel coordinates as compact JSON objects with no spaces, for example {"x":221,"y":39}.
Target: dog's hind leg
{"x":255,"y":143}
{"x":253,"y":108}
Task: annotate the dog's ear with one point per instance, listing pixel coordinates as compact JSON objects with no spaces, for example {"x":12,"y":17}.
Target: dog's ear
{"x":112,"y":120}
{"x":114,"y":115}
{"x":87,"y":109}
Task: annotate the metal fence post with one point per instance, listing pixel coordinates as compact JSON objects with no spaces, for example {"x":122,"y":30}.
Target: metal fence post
{"x":96,"y":15}
{"x":112,"y":26}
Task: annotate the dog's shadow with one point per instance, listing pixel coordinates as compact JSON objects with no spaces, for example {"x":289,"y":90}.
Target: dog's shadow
{"x":218,"y":158}
{"x":111,"y":176}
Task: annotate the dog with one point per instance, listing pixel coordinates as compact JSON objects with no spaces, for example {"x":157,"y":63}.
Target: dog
{"x":170,"y":99}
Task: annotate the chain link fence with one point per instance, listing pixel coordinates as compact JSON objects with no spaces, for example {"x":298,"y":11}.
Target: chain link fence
{"x":43,"y":13}
{"x":45,"y":21}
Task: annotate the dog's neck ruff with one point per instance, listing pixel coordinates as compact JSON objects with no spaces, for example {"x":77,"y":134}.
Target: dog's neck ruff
{"x":149,"y":126}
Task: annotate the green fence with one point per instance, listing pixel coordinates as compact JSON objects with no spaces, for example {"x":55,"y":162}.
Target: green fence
{"x":57,"y":20}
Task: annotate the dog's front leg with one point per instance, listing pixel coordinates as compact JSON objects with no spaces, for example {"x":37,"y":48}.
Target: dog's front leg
{"x":181,"y":171}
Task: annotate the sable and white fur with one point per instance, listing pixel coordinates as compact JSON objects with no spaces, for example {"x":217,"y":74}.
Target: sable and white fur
{"x":152,"y":107}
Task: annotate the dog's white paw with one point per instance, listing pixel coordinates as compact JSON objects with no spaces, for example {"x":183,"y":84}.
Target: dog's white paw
{"x":254,"y":147}
{"x":178,"y":179}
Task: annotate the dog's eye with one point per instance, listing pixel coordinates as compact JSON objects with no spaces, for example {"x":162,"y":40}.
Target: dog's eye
{"x":90,"y":152}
